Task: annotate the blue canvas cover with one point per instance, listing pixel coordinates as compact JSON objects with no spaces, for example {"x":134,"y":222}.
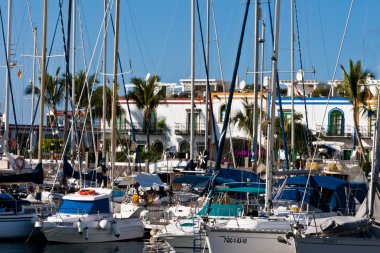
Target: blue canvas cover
{"x":331,"y":183}
{"x":297,"y":193}
{"x":238,"y":175}
{"x":332,"y":191}
{"x":85,"y":207}
{"x":226,"y":210}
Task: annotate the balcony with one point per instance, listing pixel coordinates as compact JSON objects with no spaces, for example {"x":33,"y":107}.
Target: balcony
{"x":347,"y":131}
{"x":140,"y":130}
{"x":184,"y":129}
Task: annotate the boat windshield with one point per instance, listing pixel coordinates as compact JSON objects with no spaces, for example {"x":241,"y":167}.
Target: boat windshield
{"x":85,"y":207}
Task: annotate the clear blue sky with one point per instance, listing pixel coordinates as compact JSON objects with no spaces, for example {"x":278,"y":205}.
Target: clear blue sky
{"x":155,"y":38}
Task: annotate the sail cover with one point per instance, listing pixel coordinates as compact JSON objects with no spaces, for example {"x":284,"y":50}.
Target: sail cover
{"x":36,"y":176}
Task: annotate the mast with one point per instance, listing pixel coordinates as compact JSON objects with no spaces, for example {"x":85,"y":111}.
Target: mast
{"x":292,"y":80}
{"x":31,"y":149}
{"x":208,"y":68}
{"x":375,"y":162}
{"x":262,"y":40}
{"x":43,"y":80}
{"x":104,"y":83}
{"x":67,"y":77}
{"x":255,"y":80}
{"x":192,"y":79}
{"x":271,"y":126}
{"x":114,"y":90}
{"x":73,"y":95}
{"x":7,"y":78}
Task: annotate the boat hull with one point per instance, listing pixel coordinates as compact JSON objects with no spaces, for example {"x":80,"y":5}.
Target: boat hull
{"x":220,"y":241}
{"x":67,"y":232}
{"x":16,"y":226}
{"x":337,"y":244}
{"x":182,"y":242}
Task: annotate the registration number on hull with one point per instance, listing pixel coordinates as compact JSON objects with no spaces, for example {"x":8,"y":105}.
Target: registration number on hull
{"x":228,"y":239}
{"x":64,"y":224}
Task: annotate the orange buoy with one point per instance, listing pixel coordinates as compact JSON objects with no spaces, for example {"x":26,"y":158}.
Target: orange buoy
{"x":86,"y":192}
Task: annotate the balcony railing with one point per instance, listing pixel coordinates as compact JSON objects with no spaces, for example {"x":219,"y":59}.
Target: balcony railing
{"x":347,"y":131}
{"x":140,"y":130}
{"x":184,"y":129}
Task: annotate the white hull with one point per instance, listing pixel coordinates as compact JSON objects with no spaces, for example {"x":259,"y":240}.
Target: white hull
{"x":180,"y":243}
{"x":220,"y":241}
{"x":14,"y":226}
{"x":337,"y":244}
{"x":67,"y":232}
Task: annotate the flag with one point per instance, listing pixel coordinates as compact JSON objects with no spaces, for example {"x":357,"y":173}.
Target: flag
{"x":19,"y":74}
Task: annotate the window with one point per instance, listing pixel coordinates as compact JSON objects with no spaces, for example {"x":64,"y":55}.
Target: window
{"x":222,"y":113}
{"x":196,"y":120}
{"x":336,"y":123}
{"x":184,"y":147}
{"x":158,"y":146}
{"x":372,"y":123}
{"x":200,"y":146}
{"x":120,"y":121}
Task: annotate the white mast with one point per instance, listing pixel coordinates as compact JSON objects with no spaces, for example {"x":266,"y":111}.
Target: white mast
{"x":73,"y":98}
{"x":114,"y":90}
{"x":292,"y":80}
{"x":7,"y":78}
{"x":255,"y":81}
{"x":104,"y":83}
{"x":271,"y":126}
{"x":192,"y":79}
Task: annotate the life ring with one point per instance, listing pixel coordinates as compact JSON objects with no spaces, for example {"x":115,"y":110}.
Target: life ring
{"x":20,"y":163}
{"x":86,"y":192}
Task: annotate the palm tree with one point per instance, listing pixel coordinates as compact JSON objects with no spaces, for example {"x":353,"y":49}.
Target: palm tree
{"x":54,"y":93}
{"x":244,"y":118}
{"x":97,"y":104}
{"x":147,"y":95}
{"x":353,"y":85}
{"x":300,"y":129}
{"x":83,"y":91}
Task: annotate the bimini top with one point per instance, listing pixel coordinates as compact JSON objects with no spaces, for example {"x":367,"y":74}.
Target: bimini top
{"x":86,"y":203}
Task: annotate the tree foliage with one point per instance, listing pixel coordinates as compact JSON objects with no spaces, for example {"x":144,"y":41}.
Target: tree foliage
{"x":147,"y":95}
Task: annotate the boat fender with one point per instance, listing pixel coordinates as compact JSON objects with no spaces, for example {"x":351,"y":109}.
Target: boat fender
{"x":38,"y":224}
{"x":115,"y":229}
{"x":154,"y":231}
{"x":20,"y":163}
{"x":144,"y":215}
{"x":104,"y":225}
{"x":80,"y":227}
{"x":86,"y":228}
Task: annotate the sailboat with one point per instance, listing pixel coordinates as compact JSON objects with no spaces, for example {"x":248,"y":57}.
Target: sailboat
{"x":18,"y":216}
{"x":91,"y":214}
{"x":346,"y":234}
